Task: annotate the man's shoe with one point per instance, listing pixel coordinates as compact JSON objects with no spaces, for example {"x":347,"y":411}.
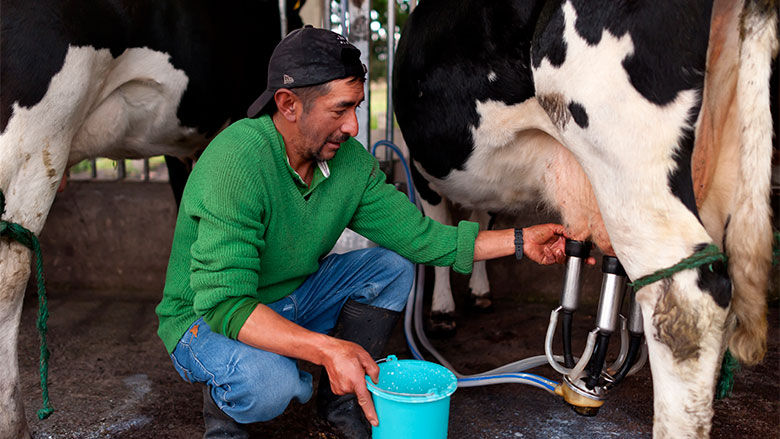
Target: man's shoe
{"x":218,"y":424}
{"x":370,"y":327}
{"x":342,"y":412}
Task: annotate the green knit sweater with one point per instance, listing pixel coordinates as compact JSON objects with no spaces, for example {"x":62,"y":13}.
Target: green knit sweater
{"x":246,"y":234}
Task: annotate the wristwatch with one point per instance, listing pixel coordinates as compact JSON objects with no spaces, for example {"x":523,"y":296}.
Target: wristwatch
{"x":519,"y":244}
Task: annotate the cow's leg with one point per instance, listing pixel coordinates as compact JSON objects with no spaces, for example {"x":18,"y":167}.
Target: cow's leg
{"x":34,"y":151}
{"x":14,"y":270}
{"x":29,"y":182}
{"x":634,"y":145}
{"x":442,"y":318}
{"x":480,"y":298}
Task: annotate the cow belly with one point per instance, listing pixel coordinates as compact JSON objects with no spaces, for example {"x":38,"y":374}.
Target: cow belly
{"x":517,"y":162}
{"x":134,"y":112}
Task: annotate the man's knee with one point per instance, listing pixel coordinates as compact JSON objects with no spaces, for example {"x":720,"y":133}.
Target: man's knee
{"x":395,"y":263}
{"x":398,"y":275}
{"x":261,"y":397}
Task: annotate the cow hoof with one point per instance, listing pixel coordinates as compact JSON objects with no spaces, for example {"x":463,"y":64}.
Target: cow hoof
{"x":483,"y":303}
{"x":441,"y":325}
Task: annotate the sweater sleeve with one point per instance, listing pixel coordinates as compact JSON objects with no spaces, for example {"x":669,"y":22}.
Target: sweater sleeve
{"x":225,"y":261}
{"x":386,"y":216}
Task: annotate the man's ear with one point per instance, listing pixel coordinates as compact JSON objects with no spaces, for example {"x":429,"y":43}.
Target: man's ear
{"x":287,"y":103}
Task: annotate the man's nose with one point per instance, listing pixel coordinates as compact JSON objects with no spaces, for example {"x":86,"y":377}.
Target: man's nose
{"x":350,"y":126}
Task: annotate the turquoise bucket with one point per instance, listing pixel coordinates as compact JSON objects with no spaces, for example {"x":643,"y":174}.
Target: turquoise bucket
{"x":412,"y":399}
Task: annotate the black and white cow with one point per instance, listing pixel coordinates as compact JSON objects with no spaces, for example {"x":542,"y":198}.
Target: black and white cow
{"x":595,"y":108}
{"x":117,"y":79}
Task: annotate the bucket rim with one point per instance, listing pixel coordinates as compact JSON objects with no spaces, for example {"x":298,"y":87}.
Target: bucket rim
{"x":414,"y":398}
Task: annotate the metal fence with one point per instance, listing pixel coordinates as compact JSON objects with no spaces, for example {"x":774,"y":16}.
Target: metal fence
{"x":148,"y":169}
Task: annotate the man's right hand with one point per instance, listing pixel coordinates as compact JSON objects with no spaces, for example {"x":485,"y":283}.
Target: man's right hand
{"x":347,"y":365}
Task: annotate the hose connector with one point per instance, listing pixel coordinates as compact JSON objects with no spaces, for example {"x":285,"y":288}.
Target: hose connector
{"x":583,"y":401}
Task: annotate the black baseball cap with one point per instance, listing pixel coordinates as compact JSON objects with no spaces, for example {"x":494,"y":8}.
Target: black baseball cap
{"x":308,"y":56}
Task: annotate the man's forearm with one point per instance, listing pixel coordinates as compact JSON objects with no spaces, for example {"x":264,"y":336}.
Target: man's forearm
{"x":267,"y":330}
{"x":494,"y":244}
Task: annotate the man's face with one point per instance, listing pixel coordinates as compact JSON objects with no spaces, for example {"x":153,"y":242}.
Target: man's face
{"x":331,"y":120}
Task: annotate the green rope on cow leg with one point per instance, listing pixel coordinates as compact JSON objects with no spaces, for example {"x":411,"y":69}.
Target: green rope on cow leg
{"x":708,"y":255}
{"x":776,"y":250}
{"x":27,"y":238}
{"x":728,"y":367}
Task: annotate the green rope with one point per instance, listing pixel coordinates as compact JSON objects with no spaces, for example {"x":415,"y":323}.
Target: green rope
{"x":707,"y":255}
{"x":776,"y":250}
{"x":25,"y":237}
{"x":728,"y":367}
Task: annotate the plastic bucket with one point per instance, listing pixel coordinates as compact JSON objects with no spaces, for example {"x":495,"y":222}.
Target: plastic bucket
{"x":412,"y":399}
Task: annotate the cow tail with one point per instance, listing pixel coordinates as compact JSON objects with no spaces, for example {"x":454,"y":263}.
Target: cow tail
{"x":749,"y":234}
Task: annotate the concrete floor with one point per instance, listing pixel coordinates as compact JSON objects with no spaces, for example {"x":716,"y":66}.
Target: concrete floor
{"x":110,"y":378}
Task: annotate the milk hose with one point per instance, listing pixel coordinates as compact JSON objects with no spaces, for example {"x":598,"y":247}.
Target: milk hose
{"x":509,"y":373}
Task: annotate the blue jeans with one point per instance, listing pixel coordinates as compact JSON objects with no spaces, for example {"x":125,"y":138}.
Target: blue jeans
{"x":252,"y":385}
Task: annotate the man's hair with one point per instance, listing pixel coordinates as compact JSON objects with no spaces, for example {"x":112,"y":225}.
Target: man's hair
{"x":309,"y":94}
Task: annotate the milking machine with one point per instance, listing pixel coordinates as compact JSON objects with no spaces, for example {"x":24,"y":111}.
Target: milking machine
{"x":585,"y":383}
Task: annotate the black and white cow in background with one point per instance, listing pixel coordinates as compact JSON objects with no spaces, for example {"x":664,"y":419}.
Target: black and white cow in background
{"x":595,"y":107}
{"x":117,"y":79}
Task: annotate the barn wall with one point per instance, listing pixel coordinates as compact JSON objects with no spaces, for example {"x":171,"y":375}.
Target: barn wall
{"x":109,"y":238}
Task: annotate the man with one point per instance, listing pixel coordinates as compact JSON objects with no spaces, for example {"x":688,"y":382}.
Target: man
{"x":249,"y":289}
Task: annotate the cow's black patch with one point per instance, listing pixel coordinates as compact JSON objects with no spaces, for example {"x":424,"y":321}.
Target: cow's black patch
{"x":579,"y":114}
{"x":714,"y":279}
{"x":422,"y":187}
{"x":680,"y":178}
{"x":443,"y":63}
{"x":661,"y":50}
{"x":223,"y":49}
{"x":551,"y":46}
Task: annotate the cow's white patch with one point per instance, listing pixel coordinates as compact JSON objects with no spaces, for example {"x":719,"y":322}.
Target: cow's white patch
{"x":624,"y":129}
{"x":492,"y":77}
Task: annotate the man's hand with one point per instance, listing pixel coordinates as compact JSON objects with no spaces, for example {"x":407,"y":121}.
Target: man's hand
{"x":347,"y":365}
{"x":545,"y":244}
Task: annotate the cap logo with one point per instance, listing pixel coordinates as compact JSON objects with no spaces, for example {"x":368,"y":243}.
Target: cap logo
{"x":287,"y":79}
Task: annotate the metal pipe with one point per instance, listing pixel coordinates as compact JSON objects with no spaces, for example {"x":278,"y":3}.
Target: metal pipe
{"x":576,"y":253}
{"x":121,"y":169}
{"x":283,"y":17}
{"x":328,"y":10}
{"x":344,"y":7}
{"x":390,"y":57}
{"x":613,"y":285}
{"x":635,"y":321}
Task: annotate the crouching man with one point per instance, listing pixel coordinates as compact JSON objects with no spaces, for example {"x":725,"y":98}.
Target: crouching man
{"x":249,"y":289}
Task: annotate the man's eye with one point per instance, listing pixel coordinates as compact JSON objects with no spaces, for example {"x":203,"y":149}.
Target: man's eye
{"x":340,"y":113}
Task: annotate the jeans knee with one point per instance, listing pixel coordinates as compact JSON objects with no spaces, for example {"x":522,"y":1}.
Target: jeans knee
{"x":263,"y":398}
{"x":397,"y":264}
{"x":398,"y":277}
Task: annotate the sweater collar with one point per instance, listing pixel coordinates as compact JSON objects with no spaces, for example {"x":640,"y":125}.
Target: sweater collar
{"x":321,"y":172}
